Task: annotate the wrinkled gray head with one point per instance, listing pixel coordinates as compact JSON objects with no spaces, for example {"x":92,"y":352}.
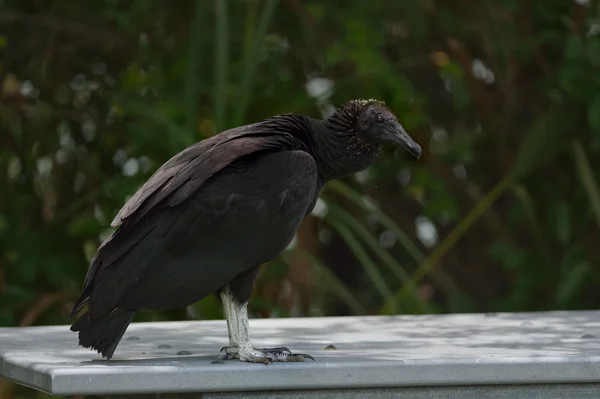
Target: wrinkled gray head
{"x":376,"y":124}
{"x":353,"y":136}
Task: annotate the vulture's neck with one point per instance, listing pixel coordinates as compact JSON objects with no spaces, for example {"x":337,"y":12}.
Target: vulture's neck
{"x":338,"y":150}
{"x":332,"y":142}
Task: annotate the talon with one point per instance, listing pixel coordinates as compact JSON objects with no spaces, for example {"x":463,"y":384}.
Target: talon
{"x":229,"y":347}
{"x":262,"y":355}
{"x":281,"y":349}
{"x":284,"y":349}
{"x":298,"y":357}
{"x":225,"y":356}
{"x":307,"y":356}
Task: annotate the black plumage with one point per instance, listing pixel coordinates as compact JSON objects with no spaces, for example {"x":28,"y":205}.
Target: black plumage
{"x":210,"y":216}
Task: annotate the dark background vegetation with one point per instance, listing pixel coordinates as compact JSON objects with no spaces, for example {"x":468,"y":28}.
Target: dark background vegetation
{"x":504,"y":97}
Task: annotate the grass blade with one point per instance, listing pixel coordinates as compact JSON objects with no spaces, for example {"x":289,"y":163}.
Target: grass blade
{"x":540,"y":145}
{"x":221,"y":64}
{"x":366,"y":262}
{"x":442,"y":280}
{"x":385,"y":257}
{"x":451,"y":239}
{"x":357,"y":198}
{"x":190,"y":89}
{"x":250,"y":61}
{"x":588,"y":180}
{"x":523,"y":195}
{"x":332,"y":283}
{"x":543,"y":141}
{"x":178,"y":137}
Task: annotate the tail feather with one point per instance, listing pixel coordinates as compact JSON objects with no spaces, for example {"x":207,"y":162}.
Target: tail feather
{"x":103,"y":333}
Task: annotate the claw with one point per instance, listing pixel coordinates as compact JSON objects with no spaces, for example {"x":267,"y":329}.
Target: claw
{"x":280,"y":349}
{"x":227,"y":348}
{"x":306,"y":355}
{"x":265,"y":360}
{"x":262,"y":355}
{"x":296,"y":357}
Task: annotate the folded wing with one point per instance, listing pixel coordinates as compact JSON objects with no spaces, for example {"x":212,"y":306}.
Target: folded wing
{"x":172,"y":184}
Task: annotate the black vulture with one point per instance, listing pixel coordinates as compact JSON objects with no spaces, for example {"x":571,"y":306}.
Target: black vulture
{"x":211,"y":215}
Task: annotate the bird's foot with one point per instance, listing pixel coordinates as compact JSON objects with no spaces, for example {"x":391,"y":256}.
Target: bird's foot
{"x":262,"y":355}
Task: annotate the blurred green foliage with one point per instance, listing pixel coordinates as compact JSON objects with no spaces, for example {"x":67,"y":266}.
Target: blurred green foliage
{"x":504,"y":96}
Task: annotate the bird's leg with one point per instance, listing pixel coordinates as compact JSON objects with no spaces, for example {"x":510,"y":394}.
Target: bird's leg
{"x":240,"y":346}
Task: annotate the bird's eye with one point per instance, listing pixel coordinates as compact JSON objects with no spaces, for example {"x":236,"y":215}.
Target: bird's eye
{"x":379,"y":119}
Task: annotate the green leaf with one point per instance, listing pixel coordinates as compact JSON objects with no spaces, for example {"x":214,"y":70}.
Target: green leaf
{"x":7,"y":319}
{"x":16,"y":293}
{"x":509,"y":256}
{"x":190,"y":88}
{"x":177,"y":136}
{"x":529,"y":211}
{"x":83,"y":225}
{"x":209,"y":308}
{"x":251,"y":57}
{"x":276,"y":270}
{"x":366,"y":262}
{"x":573,"y":282}
{"x":221,"y":64}
{"x":332,"y":283}
{"x":89,"y":249}
{"x":383,"y":255}
{"x":457,"y":233}
{"x":587,"y":177}
{"x":574,"y":48}
{"x":385,"y":220}
{"x":3,"y":224}
{"x":543,"y":141}
{"x":560,"y":215}
{"x":593,"y":114}
{"x":593,"y":48}
{"x":441,"y":204}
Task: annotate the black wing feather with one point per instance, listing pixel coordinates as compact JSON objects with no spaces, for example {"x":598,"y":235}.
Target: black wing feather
{"x":198,"y":163}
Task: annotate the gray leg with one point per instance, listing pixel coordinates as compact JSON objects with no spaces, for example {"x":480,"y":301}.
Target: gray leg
{"x":240,"y":346}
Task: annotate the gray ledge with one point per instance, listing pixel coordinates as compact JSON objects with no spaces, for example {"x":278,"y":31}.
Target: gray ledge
{"x":451,"y":353}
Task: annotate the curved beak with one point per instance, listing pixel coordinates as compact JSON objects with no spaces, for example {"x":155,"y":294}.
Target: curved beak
{"x":398,"y":136}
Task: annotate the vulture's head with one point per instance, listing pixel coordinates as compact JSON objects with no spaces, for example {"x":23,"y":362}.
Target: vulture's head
{"x":354,"y":135}
{"x":376,"y":124}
